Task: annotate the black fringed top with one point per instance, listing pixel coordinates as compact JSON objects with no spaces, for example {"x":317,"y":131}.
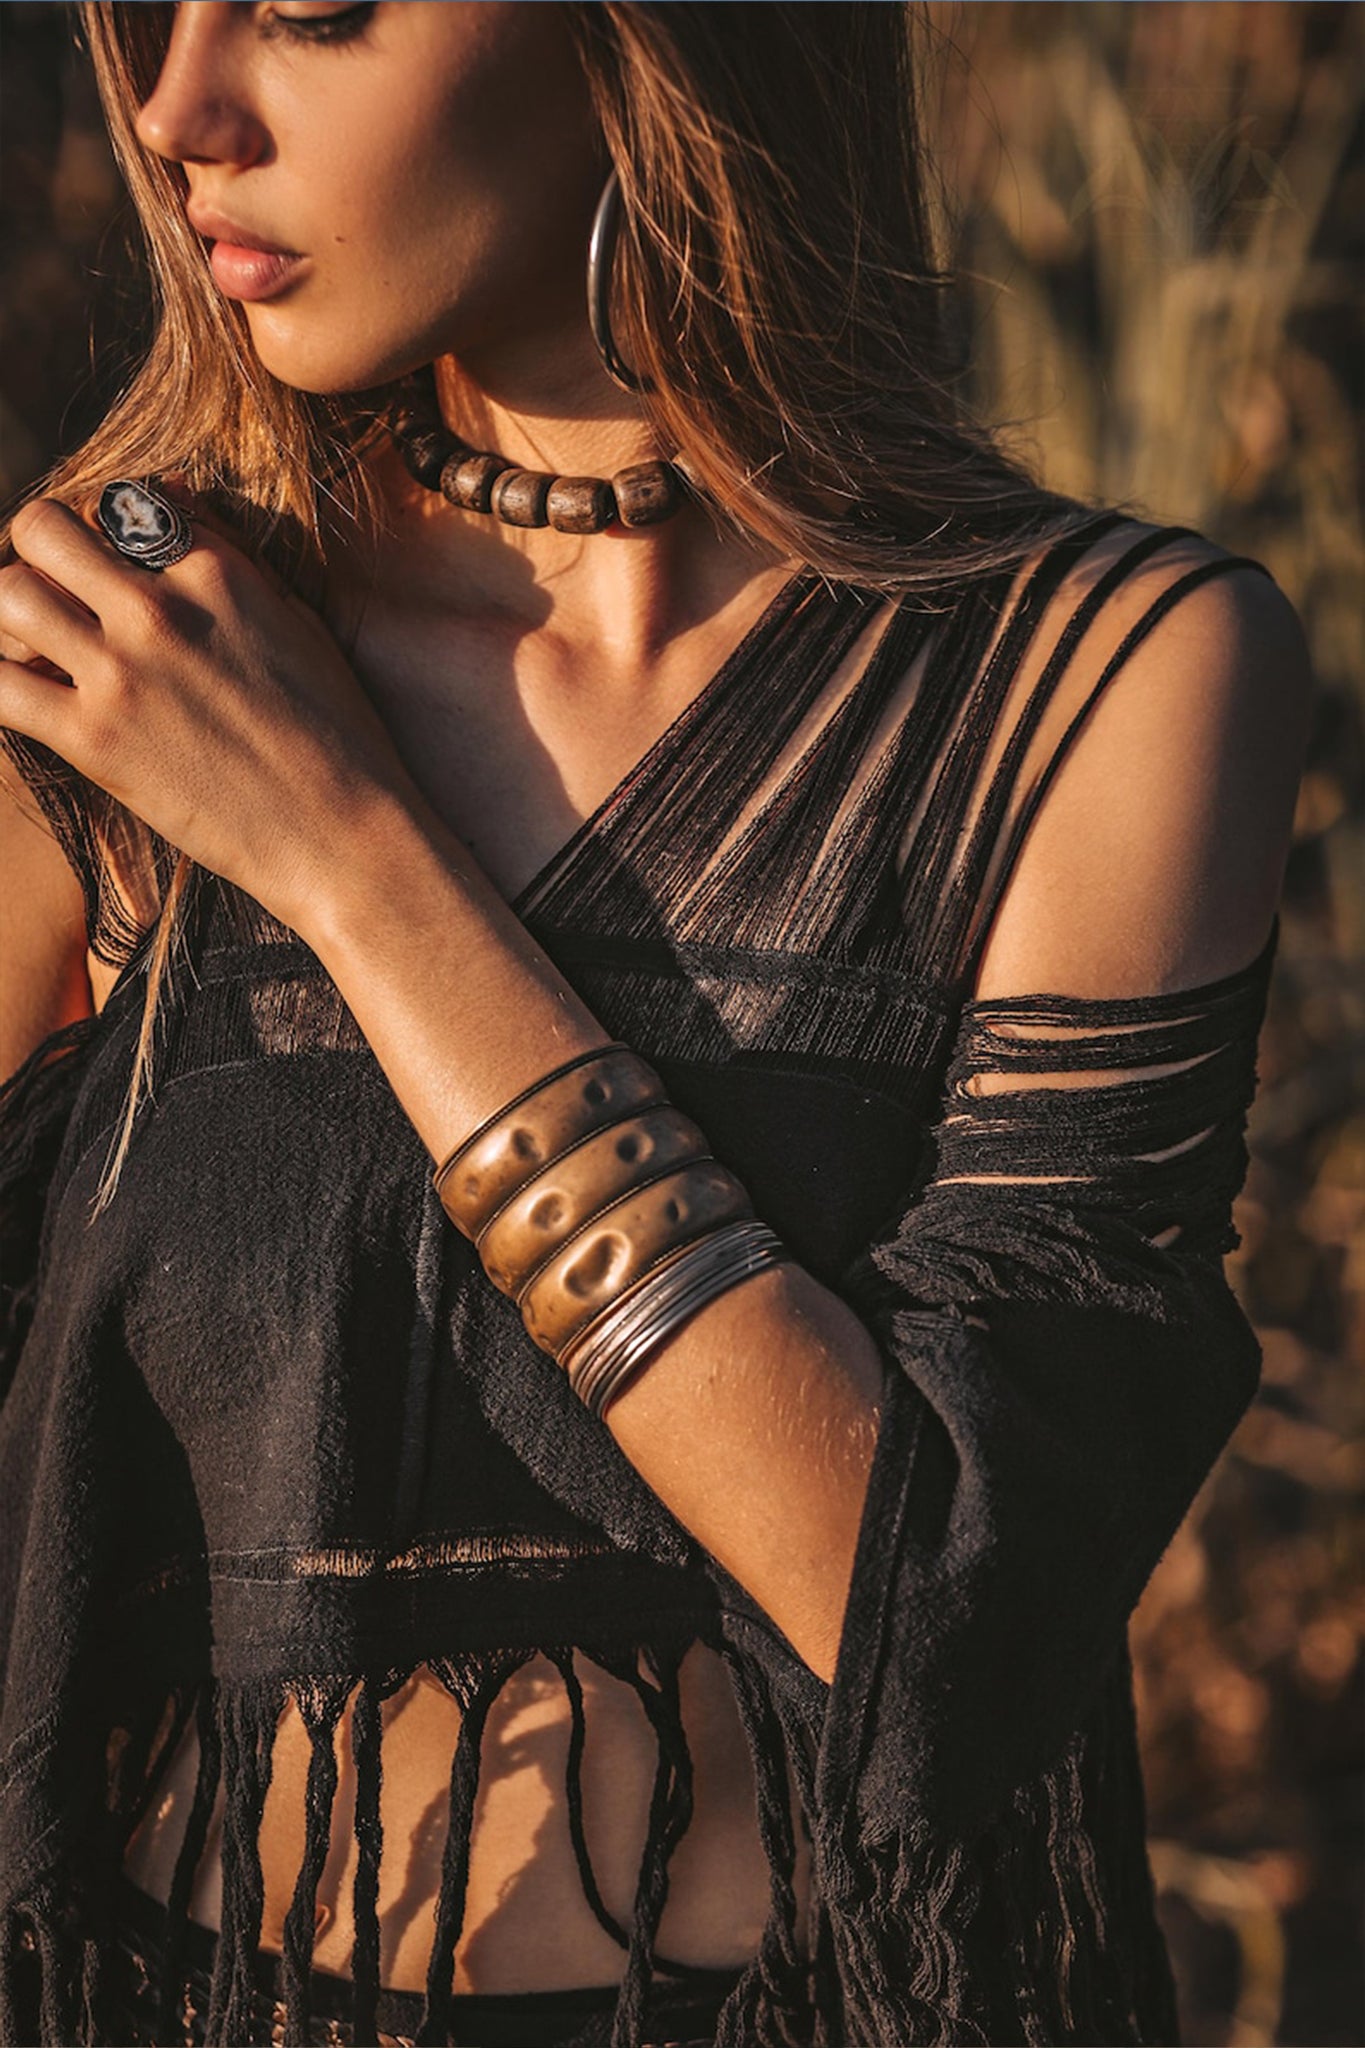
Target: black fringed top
{"x":269,"y":1434}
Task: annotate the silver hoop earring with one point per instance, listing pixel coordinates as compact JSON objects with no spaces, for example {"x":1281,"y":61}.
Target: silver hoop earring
{"x":606,"y":228}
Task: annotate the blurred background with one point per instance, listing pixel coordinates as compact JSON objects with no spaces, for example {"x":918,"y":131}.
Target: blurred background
{"x":1159,"y":209}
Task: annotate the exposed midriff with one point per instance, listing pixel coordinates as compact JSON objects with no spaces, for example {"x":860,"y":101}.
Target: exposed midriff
{"x":528,"y":1925}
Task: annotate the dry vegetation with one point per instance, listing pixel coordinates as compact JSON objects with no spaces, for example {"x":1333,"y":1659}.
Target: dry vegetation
{"x":1163,"y":206}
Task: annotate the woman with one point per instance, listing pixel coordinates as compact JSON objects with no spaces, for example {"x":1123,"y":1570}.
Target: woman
{"x":599,"y":1593}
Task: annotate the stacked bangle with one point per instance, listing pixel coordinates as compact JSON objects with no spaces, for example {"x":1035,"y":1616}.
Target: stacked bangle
{"x":604,"y":1358}
{"x":598,"y":1207}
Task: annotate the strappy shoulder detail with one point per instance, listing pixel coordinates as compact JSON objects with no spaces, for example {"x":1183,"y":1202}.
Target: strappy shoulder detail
{"x":336,"y":1458}
{"x":860,"y":794}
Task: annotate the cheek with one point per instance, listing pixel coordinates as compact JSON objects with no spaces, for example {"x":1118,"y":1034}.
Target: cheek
{"x":432,"y":222}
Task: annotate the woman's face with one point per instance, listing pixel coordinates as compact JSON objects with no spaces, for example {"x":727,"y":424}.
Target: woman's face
{"x":424,"y":169}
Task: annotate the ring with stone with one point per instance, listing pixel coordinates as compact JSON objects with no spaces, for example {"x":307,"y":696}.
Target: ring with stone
{"x":143,"y":525}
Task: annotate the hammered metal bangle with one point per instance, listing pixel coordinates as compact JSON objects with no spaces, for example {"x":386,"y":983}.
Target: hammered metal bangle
{"x":621,"y":1244}
{"x":510,"y":1148}
{"x":606,"y":1356}
{"x":536,"y":1223}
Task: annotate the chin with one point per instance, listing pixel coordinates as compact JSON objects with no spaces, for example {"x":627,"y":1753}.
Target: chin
{"x":308,"y":364}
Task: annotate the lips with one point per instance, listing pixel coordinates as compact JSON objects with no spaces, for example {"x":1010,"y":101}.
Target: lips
{"x":216,"y":227}
{"x":250,"y":273}
{"x":244,"y":265}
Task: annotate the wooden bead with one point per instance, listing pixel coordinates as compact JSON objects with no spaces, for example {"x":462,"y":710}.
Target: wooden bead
{"x":646,"y":493}
{"x":580,"y":504}
{"x":519,"y":497}
{"x":467,"y":480}
{"x":413,"y":419}
{"x":640,"y":495}
{"x":425,"y":453}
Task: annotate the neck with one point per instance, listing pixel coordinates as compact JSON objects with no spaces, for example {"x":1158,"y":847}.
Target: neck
{"x":571,"y":420}
{"x":625,"y":593}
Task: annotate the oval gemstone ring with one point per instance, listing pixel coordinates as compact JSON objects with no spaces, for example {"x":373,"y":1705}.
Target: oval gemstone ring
{"x":142,"y":524}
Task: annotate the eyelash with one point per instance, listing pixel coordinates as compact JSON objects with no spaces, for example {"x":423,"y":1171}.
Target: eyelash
{"x":321,"y":28}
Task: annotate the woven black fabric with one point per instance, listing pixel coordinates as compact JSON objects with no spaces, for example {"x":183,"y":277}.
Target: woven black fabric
{"x":271,"y":1437}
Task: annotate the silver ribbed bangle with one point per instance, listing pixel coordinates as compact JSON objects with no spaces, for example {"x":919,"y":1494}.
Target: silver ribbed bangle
{"x":611,"y":1350}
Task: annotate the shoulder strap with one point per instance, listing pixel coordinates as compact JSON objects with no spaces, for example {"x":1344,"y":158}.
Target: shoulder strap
{"x":1061,"y":644}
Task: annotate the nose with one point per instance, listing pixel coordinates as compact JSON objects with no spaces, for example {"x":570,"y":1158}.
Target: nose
{"x":200,"y":109}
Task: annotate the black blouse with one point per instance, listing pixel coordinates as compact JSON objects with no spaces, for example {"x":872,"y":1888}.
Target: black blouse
{"x":270,"y":1435}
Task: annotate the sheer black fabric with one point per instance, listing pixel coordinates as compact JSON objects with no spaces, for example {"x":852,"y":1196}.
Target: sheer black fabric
{"x":272,"y":1439}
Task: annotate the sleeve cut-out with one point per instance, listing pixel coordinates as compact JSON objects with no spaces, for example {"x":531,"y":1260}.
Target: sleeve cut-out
{"x":1065,"y":1361}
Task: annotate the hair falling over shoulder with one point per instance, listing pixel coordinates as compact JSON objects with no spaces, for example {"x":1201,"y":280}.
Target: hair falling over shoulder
{"x":777,"y":285}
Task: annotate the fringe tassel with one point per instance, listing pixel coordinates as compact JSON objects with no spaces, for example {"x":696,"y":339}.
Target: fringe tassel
{"x":670,"y":1810}
{"x":1039,"y":1931}
{"x":57,"y":1960}
{"x":92,"y":1978}
{"x":666,"y":1966}
{"x":9,"y":1989}
{"x":563,"y":1660}
{"x":188,"y":1860}
{"x":898,"y":1941}
{"x":320,"y":1706}
{"x":769,"y":2007}
{"x":248,"y":1732}
{"x":917,"y":1940}
{"x":1077,"y":1964}
{"x":10,"y":1952}
{"x":366,"y":1750}
{"x":474,"y":1687}
{"x":44,"y":1966}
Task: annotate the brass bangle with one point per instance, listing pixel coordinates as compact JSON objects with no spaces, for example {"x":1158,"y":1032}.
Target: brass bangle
{"x":539,"y":1219}
{"x":606,"y":1356}
{"x":567,"y":1105}
{"x":619,"y":1246}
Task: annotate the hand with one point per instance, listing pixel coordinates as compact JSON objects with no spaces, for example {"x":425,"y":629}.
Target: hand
{"x":209,"y":702}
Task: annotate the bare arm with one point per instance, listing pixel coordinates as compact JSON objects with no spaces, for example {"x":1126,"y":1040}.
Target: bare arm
{"x":255,"y":751}
{"x":1155,"y":864}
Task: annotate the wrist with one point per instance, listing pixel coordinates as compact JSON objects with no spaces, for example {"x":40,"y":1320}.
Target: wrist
{"x":460,"y":1006}
{"x":391,"y":856}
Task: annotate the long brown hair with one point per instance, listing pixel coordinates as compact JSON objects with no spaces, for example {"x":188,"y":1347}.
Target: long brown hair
{"x":777,"y":284}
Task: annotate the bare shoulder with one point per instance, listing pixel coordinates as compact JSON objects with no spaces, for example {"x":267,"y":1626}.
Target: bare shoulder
{"x":44,"y":981}
{"x":1157,"y":854}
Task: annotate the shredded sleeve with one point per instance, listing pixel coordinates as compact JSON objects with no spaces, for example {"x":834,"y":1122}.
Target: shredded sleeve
{"x":1065,"y":1362}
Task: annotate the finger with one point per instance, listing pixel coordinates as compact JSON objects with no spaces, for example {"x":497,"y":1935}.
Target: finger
{"x":12,"y":649}
{"x":35,"y":705}
{"x":49,"y":536}
{"x":44,"y":619}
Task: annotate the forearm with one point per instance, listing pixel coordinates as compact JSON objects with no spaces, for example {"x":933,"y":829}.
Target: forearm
{"x":755,"y":1423}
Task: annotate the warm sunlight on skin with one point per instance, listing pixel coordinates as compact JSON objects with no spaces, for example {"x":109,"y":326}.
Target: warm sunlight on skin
{"x":380,"y":188}
{"x":519,"y":673}
{"x":340,"y":134}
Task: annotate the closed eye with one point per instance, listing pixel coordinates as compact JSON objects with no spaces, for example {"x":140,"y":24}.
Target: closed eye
{"x":344,"y":25}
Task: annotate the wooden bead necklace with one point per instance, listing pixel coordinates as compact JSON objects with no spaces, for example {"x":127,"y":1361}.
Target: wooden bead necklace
{"x":477,"y":481}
